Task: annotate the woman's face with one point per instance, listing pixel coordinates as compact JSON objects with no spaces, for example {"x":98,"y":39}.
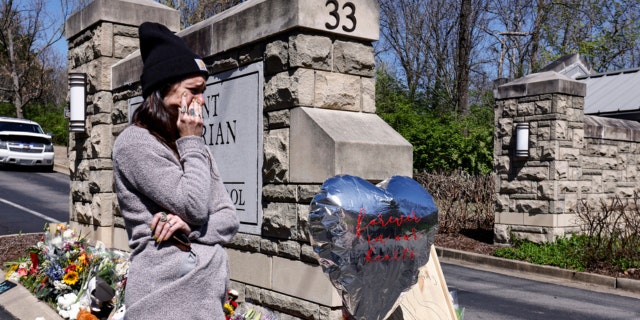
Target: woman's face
{"x":191,"y":88}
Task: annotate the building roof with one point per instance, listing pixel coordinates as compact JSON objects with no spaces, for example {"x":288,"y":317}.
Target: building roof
{"x":571,"y":65}
{"x":613,"y":94}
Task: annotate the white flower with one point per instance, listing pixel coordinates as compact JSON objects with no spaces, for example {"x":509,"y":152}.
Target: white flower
{"x":66,"y":300}
{"x":56,"y":242}
{"x":122,"y":268}
{"x":68,"y":306}
{"x":68,"y":233}
{"x":99,"y":245}
{"x":60,"y":286}
{"x":14,"y":276}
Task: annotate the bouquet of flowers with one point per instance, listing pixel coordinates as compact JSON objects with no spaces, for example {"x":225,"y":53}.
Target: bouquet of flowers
{"x":70,"y":275}
{"x":245,"y":311}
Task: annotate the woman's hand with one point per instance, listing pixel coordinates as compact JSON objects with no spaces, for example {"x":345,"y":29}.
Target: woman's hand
{"x":163,"y":225}
{"x":190,"y":116}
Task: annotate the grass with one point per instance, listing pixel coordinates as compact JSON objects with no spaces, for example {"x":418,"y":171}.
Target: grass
{"x":573,"y":252}
{"x":563,"y":253}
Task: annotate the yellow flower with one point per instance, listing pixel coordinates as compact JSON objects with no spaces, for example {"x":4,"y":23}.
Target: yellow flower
{"x":228,"y":309}
{"x":70,"y":278}
{"x":11,"y":270}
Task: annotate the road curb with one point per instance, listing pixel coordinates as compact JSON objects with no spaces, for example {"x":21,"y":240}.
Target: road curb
{"x":623,"y":284}
{"x":61,"y":159}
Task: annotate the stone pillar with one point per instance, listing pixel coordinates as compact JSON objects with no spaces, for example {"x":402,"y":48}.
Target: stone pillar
{"x":536,"y":193}
{"x":310,"y":66}
{"x":100,"y":35}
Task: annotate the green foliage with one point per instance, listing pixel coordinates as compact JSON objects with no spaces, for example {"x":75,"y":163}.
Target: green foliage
{"x":570,"y":253}
{"x":564,"y":252}
{"x":7,"y":110}
{"x":441,"y":141}
{"x":612,"y":231}
{"x":52,"y":120}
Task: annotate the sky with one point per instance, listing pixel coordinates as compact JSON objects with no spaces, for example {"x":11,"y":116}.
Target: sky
{"x":53,"y":7}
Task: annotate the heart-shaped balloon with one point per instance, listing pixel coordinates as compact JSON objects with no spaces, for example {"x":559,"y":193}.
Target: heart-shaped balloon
{"x":372,"y":239}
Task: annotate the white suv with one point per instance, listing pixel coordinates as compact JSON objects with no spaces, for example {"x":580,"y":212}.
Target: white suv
{"x":22,"y":142}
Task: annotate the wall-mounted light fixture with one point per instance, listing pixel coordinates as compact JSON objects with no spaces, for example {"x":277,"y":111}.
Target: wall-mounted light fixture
{"x":522,"y":140}
{"x":77,"y":103}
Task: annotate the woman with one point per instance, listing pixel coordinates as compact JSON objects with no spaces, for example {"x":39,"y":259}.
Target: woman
{"x":170,"y":192}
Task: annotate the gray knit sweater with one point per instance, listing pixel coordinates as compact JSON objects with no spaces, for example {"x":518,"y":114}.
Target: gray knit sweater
{"x":164,"y":282}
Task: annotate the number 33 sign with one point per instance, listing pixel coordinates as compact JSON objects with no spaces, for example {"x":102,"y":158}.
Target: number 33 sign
{"x":348,"y":10}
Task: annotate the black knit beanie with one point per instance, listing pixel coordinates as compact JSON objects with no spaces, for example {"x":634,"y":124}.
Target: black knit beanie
{"x":166,"y":58}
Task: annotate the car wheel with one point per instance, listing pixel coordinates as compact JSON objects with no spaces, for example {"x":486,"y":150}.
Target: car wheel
{"x":48,"y":168}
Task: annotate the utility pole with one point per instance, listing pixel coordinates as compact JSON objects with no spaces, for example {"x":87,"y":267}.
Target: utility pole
{"x":503,"y":47}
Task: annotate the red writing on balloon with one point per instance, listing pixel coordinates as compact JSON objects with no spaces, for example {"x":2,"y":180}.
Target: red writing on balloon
{"x":400,"y":254}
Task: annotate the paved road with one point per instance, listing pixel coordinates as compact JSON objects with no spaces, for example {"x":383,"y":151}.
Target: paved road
{"x":4,"y":315}
{"x":488,"y":295}
{"x":30,"y":199}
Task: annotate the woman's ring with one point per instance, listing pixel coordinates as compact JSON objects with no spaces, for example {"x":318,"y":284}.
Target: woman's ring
{"x":193,"y":112}
{"x":169,"y":223}
{"x":163,"y":216}
{"x":183,"y":110}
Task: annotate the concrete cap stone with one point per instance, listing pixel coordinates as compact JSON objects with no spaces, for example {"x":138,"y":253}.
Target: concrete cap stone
{"x":325,"y":143}
{"x":611,"y":128}
{"x":541,"y":83}
{"x":121,"y":12}
{"x":253,"y":21}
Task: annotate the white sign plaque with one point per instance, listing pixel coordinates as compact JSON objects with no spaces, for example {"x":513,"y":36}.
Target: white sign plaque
{"x":233,"y":131}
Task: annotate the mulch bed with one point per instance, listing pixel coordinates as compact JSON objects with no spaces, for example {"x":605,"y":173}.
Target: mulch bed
{"x":14,"y":247}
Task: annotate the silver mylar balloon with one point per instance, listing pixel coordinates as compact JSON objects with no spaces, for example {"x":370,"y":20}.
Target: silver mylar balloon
{"x":371,"y":240}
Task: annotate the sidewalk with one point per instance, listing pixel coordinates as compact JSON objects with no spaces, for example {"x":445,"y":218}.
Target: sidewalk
{"x":61,"y":159}
{"x":22,"y":305}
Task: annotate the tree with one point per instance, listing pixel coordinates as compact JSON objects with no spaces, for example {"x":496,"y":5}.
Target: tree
{"x":605,"y":32}
{"x":433,"y":43}
{"x":27,"y":61}
{"x":464,"y":51}
{"x":404,"y":26}
{"x":531,"y":34}
{"x":194,"y":11}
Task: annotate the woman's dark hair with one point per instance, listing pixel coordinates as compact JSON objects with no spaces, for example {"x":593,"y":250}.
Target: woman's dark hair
{"x":154,"y":115}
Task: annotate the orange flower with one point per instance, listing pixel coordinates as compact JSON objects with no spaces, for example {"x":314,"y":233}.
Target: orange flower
{"x":83,"y":259}
{"x":70,"y":278}
{"x":83,"y":314}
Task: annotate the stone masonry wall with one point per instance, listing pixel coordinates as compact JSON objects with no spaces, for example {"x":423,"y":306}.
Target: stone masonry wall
{"x":534,"y":193}
{"x":310,"y":70}
{"x":93,"y":202}
{"x":295,"y":67}
{"x":610,"y":159}
{"x":572,"y":157}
